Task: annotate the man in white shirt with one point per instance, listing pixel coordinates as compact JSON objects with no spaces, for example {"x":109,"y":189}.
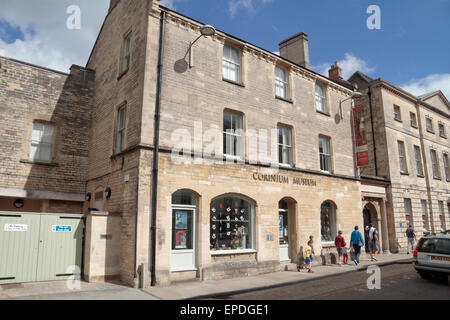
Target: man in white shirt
{"x":373,"y":242}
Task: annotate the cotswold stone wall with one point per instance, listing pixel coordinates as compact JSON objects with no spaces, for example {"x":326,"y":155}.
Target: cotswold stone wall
{"x":27,"y":94}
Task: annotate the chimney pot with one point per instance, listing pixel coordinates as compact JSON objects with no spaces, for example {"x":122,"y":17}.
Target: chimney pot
{"x":335,"y":72}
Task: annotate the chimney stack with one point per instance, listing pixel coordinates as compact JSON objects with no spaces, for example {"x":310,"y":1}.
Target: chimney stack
{"x":295,"y":49}
{"x":335,"y":73}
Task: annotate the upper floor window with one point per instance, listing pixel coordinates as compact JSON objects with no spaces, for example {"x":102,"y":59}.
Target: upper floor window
{"x":429,"y":123}
{"x":442,"y":130}
{"x":321,"y":98}
{"x":281,"y":82}
{"x":418,"y":160}
{"x":284,"y":145}
{"x":397,"y":113}
{"x":413,"y":119}
{"x":233,"y":135}
{"x":435,"y":164}
{"x":126,"y":54}
{"x":325,"y":154}
{"x":402,"y":157}
{"x":41,"y":142}
{"x":446,"y":166}
{"x":120,"y":132}
{"x":231,"y":64}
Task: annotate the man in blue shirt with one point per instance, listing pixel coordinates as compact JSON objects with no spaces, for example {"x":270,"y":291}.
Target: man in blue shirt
{"x":411,"y":235}
{"x":357,"y":241}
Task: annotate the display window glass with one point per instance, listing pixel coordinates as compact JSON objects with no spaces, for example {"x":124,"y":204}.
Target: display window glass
{"x":231,"y":224}
{"x":328,"y":222}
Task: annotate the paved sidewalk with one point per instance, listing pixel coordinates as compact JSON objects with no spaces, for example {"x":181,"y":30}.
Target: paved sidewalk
{"x":58,"y":290}
{"x":206,"y":289}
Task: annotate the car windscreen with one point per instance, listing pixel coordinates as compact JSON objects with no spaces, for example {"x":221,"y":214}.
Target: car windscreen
{"x":435,"y":245}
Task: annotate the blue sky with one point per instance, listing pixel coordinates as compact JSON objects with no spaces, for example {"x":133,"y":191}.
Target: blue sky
{"x":412,"y":48}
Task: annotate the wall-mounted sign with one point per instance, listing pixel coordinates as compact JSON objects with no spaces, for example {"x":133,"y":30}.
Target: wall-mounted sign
{"x":362,"y":150}
{"x":278,"y":178}
{"x":61,"y":228}
{"x":16,"y":227}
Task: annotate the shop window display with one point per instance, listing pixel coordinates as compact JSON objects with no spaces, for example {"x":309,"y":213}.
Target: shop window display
{"x":231,"y":223}
{"x":328,"y":222}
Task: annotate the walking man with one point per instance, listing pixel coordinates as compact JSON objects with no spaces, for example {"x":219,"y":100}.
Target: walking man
{"x":411,"y":235}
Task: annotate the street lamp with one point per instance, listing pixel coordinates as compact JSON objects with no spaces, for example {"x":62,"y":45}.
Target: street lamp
{"x":355,"y":95}
{"x":205,"y":31}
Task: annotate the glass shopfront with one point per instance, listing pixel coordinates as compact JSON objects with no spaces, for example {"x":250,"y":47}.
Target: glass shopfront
{"x":231,"y":223}
{"x":328,"y":222}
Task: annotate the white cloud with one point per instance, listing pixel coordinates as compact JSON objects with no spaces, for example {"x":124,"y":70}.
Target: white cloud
{"x":430,"y":83}
{"x":349,"y":65}
{"x":47,"y":40}
{"x":249,"y":5}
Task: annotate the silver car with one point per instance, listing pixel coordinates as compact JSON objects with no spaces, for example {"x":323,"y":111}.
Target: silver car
{"x":432,"y":255}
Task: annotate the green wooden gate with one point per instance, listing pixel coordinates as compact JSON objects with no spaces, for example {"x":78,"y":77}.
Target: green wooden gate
{"x":39,"y":247}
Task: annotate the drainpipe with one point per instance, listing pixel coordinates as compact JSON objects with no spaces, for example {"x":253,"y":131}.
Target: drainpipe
{"x":154,"y":184}
{"x":373,"y":132}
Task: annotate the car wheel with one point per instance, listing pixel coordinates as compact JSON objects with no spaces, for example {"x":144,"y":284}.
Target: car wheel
{"x":425,"y":276}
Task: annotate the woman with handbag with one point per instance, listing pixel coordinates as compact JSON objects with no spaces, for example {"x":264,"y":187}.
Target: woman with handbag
{"x":357,"y":241}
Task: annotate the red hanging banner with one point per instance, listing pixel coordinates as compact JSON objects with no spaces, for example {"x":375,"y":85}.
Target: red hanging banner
{"x":362,"y":150}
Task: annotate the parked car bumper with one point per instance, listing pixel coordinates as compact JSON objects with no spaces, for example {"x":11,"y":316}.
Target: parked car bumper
{"x":432,"y":270}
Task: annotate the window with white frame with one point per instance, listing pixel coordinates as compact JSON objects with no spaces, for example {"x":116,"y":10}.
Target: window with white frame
{"x":121,"y":124}
{"x":413,"y":119}
{"x":325,"y":154}
{"x":402,"y":157}
{"x":41,"y":142}
{"x":418,"y":157}
{"x":397,"y":113}
{"x":284,"y":145}
{"x":126,"y":54}
{"x":233,"y":135}
{"x":321,"y":98}
{"x":231,"y":63}
{"x":446,"y":166}
{"x":435,"y":164}
{"x":281,"y":82}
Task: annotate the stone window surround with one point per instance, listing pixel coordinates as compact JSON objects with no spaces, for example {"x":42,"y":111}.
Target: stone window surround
{"x":442,"y":134}
{"x":123,"y":104}
{"x":331,"y":153}
{"x":397,"y":115}
{"x":429,"y":129}
{"x":127,"y":35}
{"x":327,"y":98}
{"x":25,"y":157}
{"x":241,"y":78}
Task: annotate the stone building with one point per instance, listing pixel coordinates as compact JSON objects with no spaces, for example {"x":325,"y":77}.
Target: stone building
{"x":408,"y":151}
{"x":223,"y":86}
{"x":43,"y":137}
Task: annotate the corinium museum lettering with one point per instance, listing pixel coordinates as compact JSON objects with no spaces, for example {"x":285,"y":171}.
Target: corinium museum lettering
{"x":278,"y":178}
